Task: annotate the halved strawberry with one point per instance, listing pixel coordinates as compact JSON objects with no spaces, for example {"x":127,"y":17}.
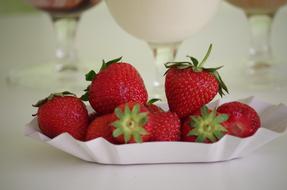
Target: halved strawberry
{"x":206,"y":127}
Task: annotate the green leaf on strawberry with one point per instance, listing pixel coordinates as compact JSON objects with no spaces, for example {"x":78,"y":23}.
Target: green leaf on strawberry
{"x":153,"y":100}
{"x":51,"y":96}
{"x":92,"y":74}
{"x":106,"y":64}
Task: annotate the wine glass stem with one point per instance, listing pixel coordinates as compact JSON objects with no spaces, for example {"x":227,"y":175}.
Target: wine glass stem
{"x":260,"y":52}
{"x":66,"y":55}
{"x":162,"y":53}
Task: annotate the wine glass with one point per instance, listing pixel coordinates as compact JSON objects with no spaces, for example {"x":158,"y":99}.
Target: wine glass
{"x":163,"y":24}
{"x":65,"y":72}
{"x":263,"y":71}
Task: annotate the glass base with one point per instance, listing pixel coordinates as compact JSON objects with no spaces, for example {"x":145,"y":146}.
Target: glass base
{"x":158,"y":92}
{"x":263,"y":76}
{"x":49,"y":77}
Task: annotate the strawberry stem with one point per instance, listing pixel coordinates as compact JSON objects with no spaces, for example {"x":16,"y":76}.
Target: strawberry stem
{"x":198,"y":67}
{"x":206,"y":56}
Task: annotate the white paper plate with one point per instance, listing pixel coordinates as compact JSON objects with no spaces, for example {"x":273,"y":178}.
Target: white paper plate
{"x":273,"y":120}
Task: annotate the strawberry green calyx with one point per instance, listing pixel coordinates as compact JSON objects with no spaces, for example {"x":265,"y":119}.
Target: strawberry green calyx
{"x":130,"y":123}
{"x":197,"y":66}
{"x":153,"y":100}
{"x":89,"y":77}
{"x":51,"y":96}
{"x":207,"y":126}
{"x":85,"y":96}
{"x":92,"y":74}
{"x":107,"y":64}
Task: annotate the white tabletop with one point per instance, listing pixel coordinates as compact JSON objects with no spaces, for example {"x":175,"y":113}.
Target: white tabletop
{"x":29,"y":164}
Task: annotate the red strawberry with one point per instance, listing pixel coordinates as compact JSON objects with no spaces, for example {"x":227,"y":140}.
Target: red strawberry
{"x":93,"y":116}
{"x":166,"y":126}
{"x":152,"y":107}
{"x":115,"y":84}
{"x":62,"y":112}
{"x":205,"y":127}
{"x":132,"y":124}
{"x":100,"y":127}
{"x":189,"y":86}
{"x":243,"y":120}
{"x":198,"y":112}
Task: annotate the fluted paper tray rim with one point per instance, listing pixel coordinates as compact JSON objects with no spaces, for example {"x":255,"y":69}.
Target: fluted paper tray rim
{"x":274,"y":124}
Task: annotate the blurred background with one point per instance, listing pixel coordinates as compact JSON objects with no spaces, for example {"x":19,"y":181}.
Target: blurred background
{"x":27,"y":37}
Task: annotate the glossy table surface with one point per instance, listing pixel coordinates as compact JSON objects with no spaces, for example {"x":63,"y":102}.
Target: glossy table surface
{"x":29,"y":164}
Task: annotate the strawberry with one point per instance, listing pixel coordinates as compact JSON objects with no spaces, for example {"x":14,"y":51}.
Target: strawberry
{"x":115,"y":84}
{"x":204,"y":127}
{"x":60,"y":113}
{"x":243,"y":120}
{"x":132,"y":124}
{"x":189,"y":86}
{"x":152,"y":107}
{"x":100,"y":127}
{"x":166,"y":126}
{"x":93,"y":116}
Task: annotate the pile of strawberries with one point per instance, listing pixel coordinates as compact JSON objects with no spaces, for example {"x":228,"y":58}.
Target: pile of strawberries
{"x":123,"y":114}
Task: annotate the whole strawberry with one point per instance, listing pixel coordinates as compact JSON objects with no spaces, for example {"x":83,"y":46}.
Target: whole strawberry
{"x":133,"y":123}
{"x":243,"y":120}
{"x":189,"y":86}
{"x":206,"y":126}
{"x":115,"y":84}
{"x":166,"y":126}
{"x":100,"y":127}
{"x":60,"y":113}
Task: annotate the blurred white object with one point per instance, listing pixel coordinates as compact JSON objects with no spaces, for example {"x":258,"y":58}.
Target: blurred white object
{"x":263,"y":69}
{"x":164,"y":24}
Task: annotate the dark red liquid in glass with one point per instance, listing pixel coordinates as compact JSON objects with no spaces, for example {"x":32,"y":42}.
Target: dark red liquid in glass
{"x":64,"y":8}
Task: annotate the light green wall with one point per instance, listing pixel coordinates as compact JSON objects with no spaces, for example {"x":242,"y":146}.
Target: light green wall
{"x":14,"y":7}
